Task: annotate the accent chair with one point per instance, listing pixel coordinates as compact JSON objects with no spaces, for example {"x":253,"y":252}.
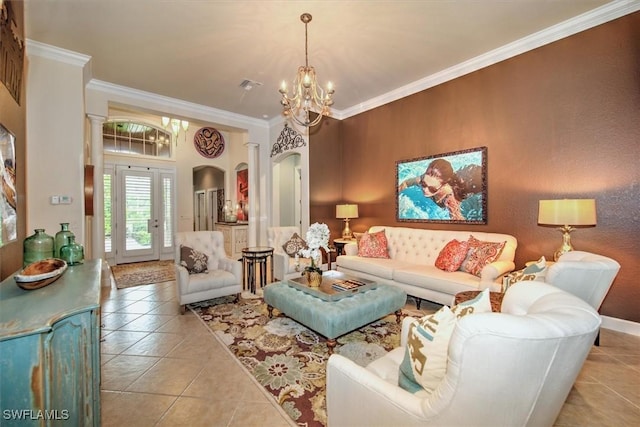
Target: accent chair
{"x":584,"y":274}
{"x":513,"y":368}
{"x":223,"y":275}
{"x":284,"y":266}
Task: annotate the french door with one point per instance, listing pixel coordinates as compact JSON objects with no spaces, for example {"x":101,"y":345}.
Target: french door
{"x":144,"y":214}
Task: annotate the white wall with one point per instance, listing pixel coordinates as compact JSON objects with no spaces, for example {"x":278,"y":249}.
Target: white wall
{"x":55,"y":144}
{"x":59,"y":99}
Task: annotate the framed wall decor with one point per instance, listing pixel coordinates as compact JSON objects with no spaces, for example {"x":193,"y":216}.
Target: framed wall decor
{"x":11,"y":50}
{"x":242,"y":194}
{"x":444,"y":188}
{"x":8,"y":199}
{"x":209,"y":142}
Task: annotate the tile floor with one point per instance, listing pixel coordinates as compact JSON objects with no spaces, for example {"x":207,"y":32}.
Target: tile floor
{"x":160,"y":368}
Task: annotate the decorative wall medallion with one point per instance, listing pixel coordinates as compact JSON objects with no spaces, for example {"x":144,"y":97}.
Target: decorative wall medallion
{"x":288,"y":140}
{"x":209,"y":142}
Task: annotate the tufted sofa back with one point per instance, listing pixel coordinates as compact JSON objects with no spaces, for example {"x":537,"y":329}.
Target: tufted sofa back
{"x":420,"y":246}
{"x":210,"y":243}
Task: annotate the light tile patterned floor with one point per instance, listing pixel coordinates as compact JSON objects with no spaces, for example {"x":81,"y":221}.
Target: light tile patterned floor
{"x":160,"y":368}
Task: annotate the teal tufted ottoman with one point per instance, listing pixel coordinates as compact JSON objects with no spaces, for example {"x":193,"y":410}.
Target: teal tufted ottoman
{"x":334,"y":318}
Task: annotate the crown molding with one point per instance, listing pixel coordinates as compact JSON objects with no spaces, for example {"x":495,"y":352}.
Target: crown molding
{"x":173,"y":104}
{"x":56,"y":53}
{"x":598,"y":16}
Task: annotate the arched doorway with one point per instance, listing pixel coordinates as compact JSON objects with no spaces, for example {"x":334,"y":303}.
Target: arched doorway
{"x":208,"y":187}
{"x":287,"y":180}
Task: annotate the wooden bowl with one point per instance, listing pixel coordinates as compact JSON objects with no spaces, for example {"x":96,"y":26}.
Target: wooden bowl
{"x":40,"y":273}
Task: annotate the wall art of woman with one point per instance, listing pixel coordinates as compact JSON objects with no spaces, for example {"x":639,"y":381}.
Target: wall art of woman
{"x":441,"y":191}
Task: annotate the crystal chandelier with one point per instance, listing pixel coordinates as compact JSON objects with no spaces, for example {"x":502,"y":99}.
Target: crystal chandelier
{"x":307,"y":95}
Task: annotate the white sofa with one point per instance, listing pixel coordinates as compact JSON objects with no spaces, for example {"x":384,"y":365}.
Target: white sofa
{"x":411,"y":265}
{"x":513,"y":368}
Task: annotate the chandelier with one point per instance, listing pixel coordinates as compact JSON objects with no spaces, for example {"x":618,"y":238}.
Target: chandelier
{"x":306,"y":95}
{"x":175,"y":126}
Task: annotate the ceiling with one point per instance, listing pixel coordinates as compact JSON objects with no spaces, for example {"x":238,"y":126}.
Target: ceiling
{"x":201,"y":50}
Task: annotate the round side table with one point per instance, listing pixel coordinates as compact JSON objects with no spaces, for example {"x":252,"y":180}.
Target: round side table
{"x":495,"y":298}
{"x":253,"y":258}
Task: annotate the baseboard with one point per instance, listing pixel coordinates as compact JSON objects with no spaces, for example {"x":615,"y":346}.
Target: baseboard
{"x":621,"y":325}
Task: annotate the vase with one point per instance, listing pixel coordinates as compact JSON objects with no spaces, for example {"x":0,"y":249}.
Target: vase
{"x":72,"y":253}
{"x":62,"y":238}
{"x":314,"y":278}
{"x":37,"y":246}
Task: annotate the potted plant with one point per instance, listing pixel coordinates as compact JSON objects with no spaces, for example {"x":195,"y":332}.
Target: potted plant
{"x":317,"y":237}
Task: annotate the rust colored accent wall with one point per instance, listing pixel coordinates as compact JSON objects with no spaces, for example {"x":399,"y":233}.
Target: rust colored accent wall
{"x":561,"y":121}
{"x":13,"y":117}
{"x":325,"y":174}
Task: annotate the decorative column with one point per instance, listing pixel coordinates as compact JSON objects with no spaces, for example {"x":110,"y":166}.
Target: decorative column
{"x":97,"y":160}
{"x":252,"y":149}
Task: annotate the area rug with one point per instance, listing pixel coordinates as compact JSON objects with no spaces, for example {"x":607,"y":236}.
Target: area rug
{"x":143,"y":273}
{"x":286,"y":358}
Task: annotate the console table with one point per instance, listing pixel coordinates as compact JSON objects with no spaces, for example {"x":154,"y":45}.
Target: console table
{"x":50,"y":350}
{"x":235,"y":237}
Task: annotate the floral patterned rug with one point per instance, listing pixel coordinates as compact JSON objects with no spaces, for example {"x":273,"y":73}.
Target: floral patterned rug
{"x":286,"y":358}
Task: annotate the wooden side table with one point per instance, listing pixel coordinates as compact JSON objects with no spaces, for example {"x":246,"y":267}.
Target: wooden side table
{"x":339,"y":244}
{"x":253,"y":258}
{"x":495,"y":298}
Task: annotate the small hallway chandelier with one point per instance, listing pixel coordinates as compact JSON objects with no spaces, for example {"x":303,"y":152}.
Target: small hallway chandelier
{"x":306,"y":95}
{"x":175,"y":126}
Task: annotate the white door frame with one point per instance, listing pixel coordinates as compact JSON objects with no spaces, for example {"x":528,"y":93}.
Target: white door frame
{"x":164,"y":217}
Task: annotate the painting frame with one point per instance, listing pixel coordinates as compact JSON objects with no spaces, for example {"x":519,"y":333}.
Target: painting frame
{"x":8,"y":187}
{"x":446,"y":188}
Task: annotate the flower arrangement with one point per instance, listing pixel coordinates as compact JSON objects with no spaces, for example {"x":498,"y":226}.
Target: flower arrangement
{"x":317,"y":237}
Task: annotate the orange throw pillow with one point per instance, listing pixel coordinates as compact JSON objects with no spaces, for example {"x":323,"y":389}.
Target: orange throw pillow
{"x":373,"y":245}
{"x":452,"y":255}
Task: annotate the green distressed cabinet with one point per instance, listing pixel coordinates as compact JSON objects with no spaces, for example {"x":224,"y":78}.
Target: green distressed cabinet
{"x":50,"y":350}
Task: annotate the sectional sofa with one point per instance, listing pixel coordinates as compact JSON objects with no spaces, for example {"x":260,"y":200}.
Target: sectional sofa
{"x":411,"y":263}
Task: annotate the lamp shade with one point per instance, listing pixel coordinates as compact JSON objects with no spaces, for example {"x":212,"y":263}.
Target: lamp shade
{"x":346,"y":211}
{"x":567,"y":212}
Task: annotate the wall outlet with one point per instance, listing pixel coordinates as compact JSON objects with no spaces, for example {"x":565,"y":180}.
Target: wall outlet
{"x":55,"y":200}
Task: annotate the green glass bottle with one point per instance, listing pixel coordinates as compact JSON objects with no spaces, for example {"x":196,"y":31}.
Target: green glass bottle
{"x":62,"y":238}
{"x":37,"y":246}
{"x":72,"y":253}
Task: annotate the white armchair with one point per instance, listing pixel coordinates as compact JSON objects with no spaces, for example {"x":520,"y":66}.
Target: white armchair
{"x":513,"y":368}
{"x":223,"y":276}
{"x":284,"y":266}
{"x":584,"y":274}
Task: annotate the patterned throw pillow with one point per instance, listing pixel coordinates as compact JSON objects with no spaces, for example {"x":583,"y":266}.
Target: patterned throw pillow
{"x":425,"y":359}
{"x":373,"y":245}
{"x":534,"y":271}
{"x":293,"y":245}
{"x":451,"y":256}
{"x":194,"y":261}
{"x":480,"y":254}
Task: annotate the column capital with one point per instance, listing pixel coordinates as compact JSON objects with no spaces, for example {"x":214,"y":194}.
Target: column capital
{"x":96,"y":118}
{"x":253,"y":145}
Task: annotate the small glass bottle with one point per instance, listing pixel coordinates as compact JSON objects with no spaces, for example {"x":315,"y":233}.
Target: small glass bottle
{"x":62,"y":238}
{"x":37,"y":246}
{"x":72,"y":253}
